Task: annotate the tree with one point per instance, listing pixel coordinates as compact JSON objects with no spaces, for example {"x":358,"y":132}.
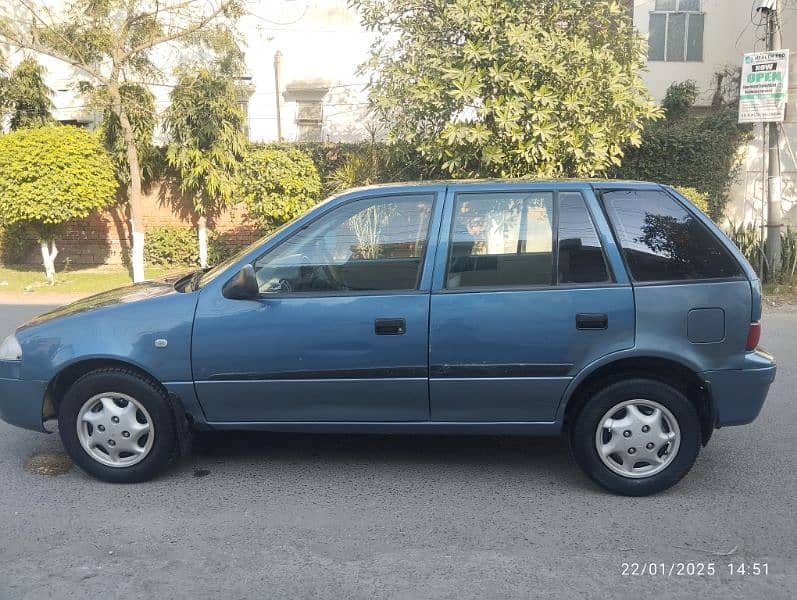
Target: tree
{"x":114,"y":41}
{"x":50,"y":175}
{"x":139,"y":105}
{"x":507,"y":87}
{"x":278,"y":184}
{"x":205,"y":125}
{"x":27,"y":95}
{"x":690,"y":149}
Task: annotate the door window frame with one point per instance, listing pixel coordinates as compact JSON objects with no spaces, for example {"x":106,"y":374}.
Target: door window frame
{"x":446,"y":241}
{"x":426,"y":262}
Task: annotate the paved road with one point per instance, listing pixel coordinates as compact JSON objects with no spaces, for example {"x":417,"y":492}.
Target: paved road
{"x":298,"y":516}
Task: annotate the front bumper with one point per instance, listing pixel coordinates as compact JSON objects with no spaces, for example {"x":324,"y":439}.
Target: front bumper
{"x":739,"y":394}
{"x":21,"y":403}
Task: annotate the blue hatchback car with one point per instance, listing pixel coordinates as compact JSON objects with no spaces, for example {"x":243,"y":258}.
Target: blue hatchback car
{"x":615,"y":312}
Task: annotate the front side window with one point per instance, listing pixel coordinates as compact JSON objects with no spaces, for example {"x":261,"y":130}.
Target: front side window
{"x":676,"y":31}
{"x":663,"y":241}
{"x":501,"y":239}
{"x":374,"y":244}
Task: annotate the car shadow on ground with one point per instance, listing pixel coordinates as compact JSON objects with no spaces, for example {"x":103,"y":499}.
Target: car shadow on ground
{"x":522,"y":456}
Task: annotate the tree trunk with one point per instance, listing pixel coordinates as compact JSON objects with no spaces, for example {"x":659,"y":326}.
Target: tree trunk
{"x":49,"y":252}
{"x":202,"y":229}
{"x":135,"y":195}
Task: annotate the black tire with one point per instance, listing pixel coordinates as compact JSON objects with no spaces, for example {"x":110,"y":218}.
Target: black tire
{"x":165,"y":446}
{"x":586,"y":422}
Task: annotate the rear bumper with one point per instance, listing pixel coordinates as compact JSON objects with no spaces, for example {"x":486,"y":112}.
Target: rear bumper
{"x":739,"y":394}
{"x":21,"y":403}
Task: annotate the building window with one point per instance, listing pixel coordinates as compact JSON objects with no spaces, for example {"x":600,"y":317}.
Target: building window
{"x":676,"y":31}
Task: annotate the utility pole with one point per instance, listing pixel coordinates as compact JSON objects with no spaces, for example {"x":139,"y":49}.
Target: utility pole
{"x":774,"y":180}
{"x":278,"y":91}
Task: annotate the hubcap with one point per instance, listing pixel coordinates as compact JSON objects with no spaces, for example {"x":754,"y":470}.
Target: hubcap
{"x":115,"y":429}
{"x":637,"y":438}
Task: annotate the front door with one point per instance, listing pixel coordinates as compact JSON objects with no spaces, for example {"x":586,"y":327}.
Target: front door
{"x":340,"y":329}
{"x":523,"y":299}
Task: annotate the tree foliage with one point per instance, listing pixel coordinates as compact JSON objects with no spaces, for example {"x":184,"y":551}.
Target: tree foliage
{"x":50,"y":175}
{"x":204,"y":123}
{"x":27,"y":95}
{"x":507,"y":87}
{"x":688,"y":149}
{"x":278,"y":184}
{"x":139,"y":104}
{"x":110,"y":42}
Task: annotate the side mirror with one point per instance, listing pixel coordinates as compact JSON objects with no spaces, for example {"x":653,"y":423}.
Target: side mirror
{"x":243,"y":286}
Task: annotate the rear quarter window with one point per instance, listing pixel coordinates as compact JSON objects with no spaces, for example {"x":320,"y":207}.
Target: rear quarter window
{"x":663,"y":241}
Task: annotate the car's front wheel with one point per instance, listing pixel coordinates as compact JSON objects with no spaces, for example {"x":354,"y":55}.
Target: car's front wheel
{"x":636,"y":437}
{"x":117,"y":425}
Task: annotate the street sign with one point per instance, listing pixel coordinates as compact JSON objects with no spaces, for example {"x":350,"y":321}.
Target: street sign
{"x":764,"y":89}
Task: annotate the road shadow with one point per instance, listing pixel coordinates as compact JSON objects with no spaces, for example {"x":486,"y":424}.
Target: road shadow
{"x":541,"y":457}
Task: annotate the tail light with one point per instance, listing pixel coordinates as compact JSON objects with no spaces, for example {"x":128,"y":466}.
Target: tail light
{"x":753,"y":335}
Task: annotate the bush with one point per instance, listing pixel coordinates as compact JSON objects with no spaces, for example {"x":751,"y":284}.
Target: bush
{"x":685,"y":149}
{"x":696,"y":197}
{"x":748,"y":239}
{"x":16,"y":244}
{"x":393,"y":162}
{"x":177,"y":247}
{"x":51,"y":175}
{"x":278,"y":184}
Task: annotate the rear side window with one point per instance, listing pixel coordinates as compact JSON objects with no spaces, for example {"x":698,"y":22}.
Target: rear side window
{"x":580,"y":254}
{"x":662,"y":241}
{"x":501,"y":239}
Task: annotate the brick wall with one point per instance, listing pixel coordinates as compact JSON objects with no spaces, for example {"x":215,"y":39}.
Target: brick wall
{"x":104,"y":238}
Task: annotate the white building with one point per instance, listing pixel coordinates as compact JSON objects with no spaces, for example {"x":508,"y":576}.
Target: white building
{"x":321,"y":43}
{"x":695,"y":39}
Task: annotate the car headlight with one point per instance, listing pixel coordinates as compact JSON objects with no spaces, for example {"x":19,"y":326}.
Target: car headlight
{"x":10,"y":349}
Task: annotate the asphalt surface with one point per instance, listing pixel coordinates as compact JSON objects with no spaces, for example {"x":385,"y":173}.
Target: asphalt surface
{"x":312,"y":516}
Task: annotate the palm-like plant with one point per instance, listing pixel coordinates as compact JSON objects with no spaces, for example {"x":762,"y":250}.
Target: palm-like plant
{"x":205,"y":125}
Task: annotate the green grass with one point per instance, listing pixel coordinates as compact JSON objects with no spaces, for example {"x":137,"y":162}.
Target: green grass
{"x":30,"y":279}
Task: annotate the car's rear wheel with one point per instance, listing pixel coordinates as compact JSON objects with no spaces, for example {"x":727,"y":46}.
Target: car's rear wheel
{"x":636,"y":437}
{"x":118,"y":426}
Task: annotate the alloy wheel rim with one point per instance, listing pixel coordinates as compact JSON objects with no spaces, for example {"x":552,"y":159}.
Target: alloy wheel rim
{"x":115,"y":429}
{"x":637,"y":438}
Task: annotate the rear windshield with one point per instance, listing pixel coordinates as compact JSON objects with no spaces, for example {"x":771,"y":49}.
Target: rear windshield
{"x":662,"y":241}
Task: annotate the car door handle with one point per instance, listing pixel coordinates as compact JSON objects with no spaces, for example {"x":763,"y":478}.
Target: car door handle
{"x":592,"y":321}
{"x":390,"y":326}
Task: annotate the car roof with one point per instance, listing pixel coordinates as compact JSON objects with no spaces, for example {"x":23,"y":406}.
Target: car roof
{"x":465,"y":183}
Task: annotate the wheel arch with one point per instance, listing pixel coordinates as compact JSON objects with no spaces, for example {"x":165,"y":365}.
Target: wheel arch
{"x":68,"y":374}
{"x":679,"y":375}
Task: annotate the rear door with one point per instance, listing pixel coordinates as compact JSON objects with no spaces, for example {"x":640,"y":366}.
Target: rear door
{"x":523,"y":298}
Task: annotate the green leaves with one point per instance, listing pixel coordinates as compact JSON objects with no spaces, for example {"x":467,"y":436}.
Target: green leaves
{"x":278,"y":185}
{"x":27,"y":96}
{"x":50,"y":175}
{"x":139,"y":105}
{"x":697,"y":151}
{"x":205,"y":124}
{"x":506,"y":88}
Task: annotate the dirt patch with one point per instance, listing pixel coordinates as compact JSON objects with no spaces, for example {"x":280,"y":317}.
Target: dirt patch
{"x":49,"y":464}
